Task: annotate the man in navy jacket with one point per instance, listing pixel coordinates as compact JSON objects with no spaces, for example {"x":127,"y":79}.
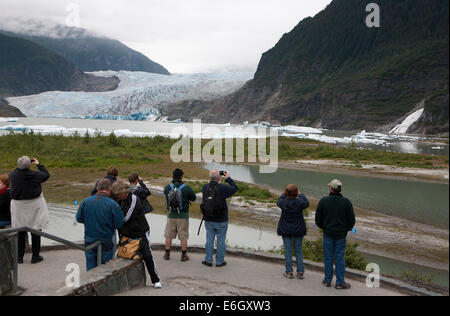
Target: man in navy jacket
{"x":218,"y":225}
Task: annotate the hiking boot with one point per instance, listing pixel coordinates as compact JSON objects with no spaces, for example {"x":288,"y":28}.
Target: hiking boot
{"x":345,"y":286}
{"x":37,"y":259}
{"x":223,"y":264}
{"x":300,"y":275}
{"x":207,"y":264}
{"x":288,"y":275}
{"x":185,"y":258}
{"x":167,"y":256}
{"x":326,"y":284}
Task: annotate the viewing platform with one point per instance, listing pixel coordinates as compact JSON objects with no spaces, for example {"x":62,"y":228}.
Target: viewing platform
{"x":247,"y":274}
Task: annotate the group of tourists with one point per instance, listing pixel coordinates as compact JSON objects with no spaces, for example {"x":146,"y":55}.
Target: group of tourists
{"x":119,"y":206}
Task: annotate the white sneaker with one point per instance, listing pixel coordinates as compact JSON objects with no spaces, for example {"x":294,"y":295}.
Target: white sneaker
{"x":158,"y":285}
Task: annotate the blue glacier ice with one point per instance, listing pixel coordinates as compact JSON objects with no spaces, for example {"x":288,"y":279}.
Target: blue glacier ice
{"x":140,"y":95}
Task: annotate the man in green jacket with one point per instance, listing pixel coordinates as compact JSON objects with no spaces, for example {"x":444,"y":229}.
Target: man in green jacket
{"x":178,"y":198}
{"x":335,"y":216}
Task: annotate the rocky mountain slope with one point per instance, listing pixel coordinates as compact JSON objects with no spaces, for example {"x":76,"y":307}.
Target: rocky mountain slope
{"x":7,"y":110}
{"x":89,"y":51}
{"x":332,"y":71}
{"x":27,"y":68}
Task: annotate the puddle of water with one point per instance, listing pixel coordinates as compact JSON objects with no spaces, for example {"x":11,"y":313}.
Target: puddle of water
{"x":63,"y":225}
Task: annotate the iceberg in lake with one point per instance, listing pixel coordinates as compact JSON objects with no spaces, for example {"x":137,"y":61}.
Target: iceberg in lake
{"x":299,"y":129}
{"x":140,"y":95}
{"x":8,"y":119}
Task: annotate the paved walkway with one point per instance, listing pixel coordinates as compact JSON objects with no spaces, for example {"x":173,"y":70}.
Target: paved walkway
{"x":241,"y":277}
{"x":50,"y":273}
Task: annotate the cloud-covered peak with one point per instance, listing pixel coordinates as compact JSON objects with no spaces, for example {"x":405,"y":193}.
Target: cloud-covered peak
{"x":47,"y":28}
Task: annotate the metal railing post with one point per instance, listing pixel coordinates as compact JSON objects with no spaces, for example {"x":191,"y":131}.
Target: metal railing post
{"x":99,"y":255}
{"x":15,"y":288}
{"x":14,"y":232}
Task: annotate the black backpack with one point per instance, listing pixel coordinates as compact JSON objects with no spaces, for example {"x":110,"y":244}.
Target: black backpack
{"x":175,"y":199}
{"x":212,"y":205}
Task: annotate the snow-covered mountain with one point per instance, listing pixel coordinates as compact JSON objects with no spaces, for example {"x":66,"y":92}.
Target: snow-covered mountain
{"x":140,"y":95}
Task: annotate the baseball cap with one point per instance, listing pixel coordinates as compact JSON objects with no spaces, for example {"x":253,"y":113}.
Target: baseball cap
{"x":335,"y":184}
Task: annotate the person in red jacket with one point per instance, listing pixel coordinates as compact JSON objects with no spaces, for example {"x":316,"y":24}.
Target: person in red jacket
{"x":5,"y":201}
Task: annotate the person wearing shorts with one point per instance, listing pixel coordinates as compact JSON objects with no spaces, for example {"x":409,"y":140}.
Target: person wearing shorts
{"x":178,"y":222}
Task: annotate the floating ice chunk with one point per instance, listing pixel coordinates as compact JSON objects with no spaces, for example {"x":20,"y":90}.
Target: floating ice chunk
{"x":293,"y":135}
{"x":8,"y":119}
{"x":299,"y":129}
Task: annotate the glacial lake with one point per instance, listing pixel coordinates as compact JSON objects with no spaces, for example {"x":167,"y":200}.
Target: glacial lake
{"x":421,"y":202}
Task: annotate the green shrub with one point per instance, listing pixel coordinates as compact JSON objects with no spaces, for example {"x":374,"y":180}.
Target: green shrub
{"x":313,"y":250}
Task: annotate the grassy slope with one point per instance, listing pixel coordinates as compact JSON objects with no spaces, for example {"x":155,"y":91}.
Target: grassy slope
{"x":80,"y":151}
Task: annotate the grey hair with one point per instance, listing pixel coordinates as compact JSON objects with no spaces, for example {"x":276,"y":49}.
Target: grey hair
{"x":120,"y":187}
{"x":24,"y":162}
{"x":214,"y":175}
{"x":104,"y":185}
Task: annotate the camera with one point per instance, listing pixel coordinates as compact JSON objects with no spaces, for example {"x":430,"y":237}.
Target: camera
{"x":223,"y":173}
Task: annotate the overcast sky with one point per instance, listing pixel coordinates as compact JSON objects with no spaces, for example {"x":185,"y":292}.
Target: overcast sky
{"x":182,"y":35}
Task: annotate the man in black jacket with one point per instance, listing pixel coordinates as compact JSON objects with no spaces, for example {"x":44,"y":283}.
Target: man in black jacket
{"x":335,"y":216}
{"x":138,"y":188}
{"x":218,"y":225}
{"x":136,"y":225}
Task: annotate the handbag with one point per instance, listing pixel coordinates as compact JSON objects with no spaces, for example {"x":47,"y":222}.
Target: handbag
{"x":129,"y":248}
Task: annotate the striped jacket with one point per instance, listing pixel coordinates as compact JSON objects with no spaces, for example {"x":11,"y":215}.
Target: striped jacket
{"x":136,"y":225}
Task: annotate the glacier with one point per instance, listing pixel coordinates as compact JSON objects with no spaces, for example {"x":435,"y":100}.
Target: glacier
{"x":140,"y":95}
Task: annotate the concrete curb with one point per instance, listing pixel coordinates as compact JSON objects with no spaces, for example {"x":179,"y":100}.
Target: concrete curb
{"x":360,"y":276}
{"x":117,"y":276}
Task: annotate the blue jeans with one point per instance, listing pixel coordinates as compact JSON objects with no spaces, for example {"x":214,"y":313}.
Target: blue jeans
{"x":4,"y":224}
{"x":108,"y":251}
{"x":212,"y":230}
{"x":334,"y":250}
{"x":298,"y":248}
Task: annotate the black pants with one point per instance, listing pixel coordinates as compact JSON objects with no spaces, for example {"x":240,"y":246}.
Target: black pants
{"x":146,"y":249}
{"x":35,"y":244}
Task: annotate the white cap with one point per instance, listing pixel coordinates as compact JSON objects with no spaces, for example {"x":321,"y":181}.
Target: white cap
{"x":335,"y":184}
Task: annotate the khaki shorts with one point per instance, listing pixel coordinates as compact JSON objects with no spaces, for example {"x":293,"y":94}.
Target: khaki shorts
{"x":177,"y":226}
